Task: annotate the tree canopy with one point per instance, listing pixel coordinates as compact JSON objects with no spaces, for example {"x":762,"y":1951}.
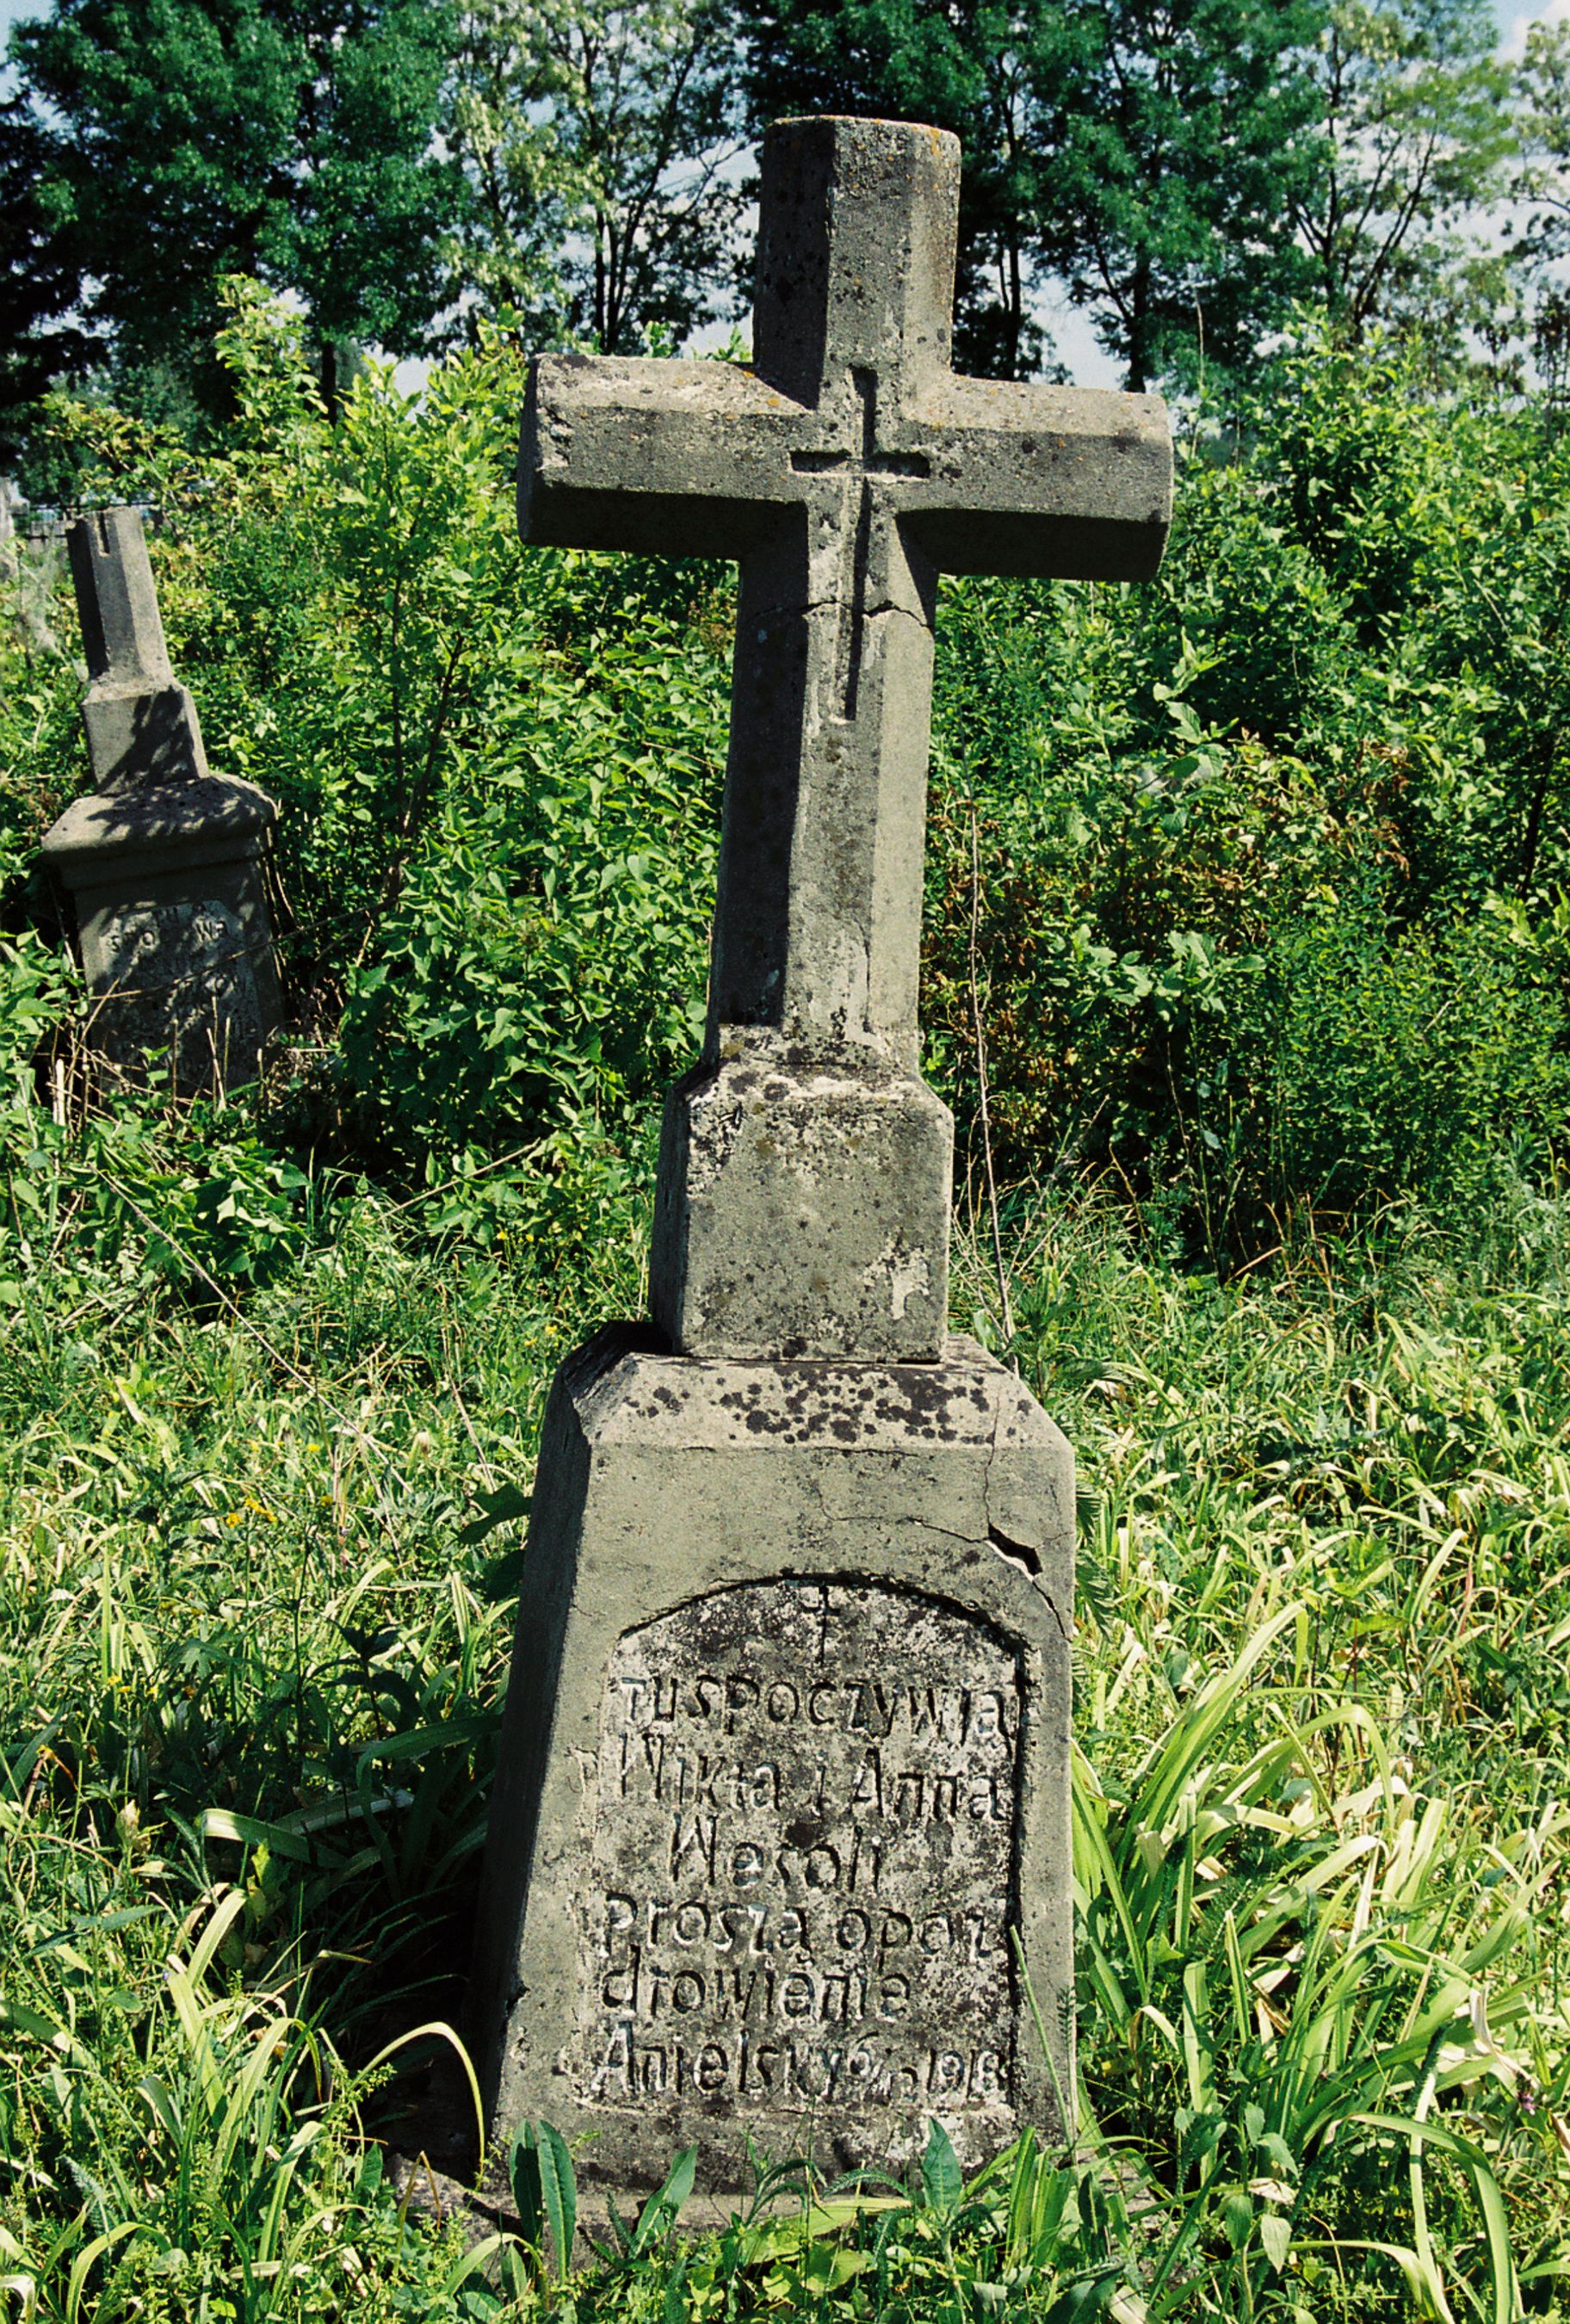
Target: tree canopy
{"x":290,"y":139}
{"x":1187,"y":173}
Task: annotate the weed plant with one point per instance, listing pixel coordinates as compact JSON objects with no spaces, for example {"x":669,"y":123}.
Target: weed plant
{"x":259,"y":1538}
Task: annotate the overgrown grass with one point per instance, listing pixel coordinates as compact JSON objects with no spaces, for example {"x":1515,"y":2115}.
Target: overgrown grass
{"x":259,"y":1551}
{"x":1247,"y":891}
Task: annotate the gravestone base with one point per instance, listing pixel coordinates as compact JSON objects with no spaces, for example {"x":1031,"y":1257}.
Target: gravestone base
{"x":172,"y":928}
{"x":780,"y":1836}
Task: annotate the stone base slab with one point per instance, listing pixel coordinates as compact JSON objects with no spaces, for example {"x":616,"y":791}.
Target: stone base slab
{"x":780,"y":1827}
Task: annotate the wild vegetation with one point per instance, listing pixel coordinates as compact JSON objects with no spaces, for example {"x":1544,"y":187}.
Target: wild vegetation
{"x":1246,"y":974}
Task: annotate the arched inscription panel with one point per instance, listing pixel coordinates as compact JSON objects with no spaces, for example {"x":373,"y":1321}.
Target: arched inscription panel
{"x":802,"y":1884}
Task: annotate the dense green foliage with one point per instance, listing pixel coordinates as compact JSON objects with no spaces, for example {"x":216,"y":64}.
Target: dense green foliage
{"x":1273,"y":852}
{"x":39,"y":278}
{"x":1150,"y":153}
{"x":1264,"y":904}
{"x":1248,"y":890}
{"x":596,"y":139}
{"x":290,"y":139}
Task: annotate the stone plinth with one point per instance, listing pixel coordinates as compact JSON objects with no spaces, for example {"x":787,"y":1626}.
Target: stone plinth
{"x":803,"y":1206}
{"x":781,"y":1827}
{"x":172,"y":927}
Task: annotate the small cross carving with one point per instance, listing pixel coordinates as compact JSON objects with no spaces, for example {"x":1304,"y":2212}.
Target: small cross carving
{"x":843,"y":471}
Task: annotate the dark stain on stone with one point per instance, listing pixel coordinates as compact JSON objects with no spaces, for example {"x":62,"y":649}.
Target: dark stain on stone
{"x":768,"y":1424}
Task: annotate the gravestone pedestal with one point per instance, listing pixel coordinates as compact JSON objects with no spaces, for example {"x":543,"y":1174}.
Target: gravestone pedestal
{"x":171,"y":927}
{"x":780,"y":1835}
{"x":803,"y":1204}
{"x":160,"y":861}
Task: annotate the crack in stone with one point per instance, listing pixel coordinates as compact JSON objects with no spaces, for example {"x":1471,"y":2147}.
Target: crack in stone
{"x":1018,"y":1552}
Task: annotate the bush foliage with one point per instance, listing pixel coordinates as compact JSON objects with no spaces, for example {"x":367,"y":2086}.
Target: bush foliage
{"x":1247,"y":900}
{"x":1255,"y":874}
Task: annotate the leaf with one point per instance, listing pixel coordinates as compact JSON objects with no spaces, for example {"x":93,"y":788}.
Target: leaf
{"x":504,"y":1577}
{"x":1092,"y":1583}
{"x":1501,"y":2274}
{"x":1083,"y":2302}
{"x":1276,"y":2236}
{"x":559,"y":2193}
{"x":524,"y":2178}
{"x":941,"y":2181}
{"x":503,"y":1507}
{"x":663,"y":2208}
{"x":1237,"y":2216}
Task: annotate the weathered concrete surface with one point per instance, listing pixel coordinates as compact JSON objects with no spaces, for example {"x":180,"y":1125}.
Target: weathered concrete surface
{"x":140,"y":722}
{"x":781,"y":1833}
{"x":755,"y":1241}
{"x":781,"y":1817}
{"x":843,"y":471}
{"x":162,"y":862}
{"x":172,"y":927}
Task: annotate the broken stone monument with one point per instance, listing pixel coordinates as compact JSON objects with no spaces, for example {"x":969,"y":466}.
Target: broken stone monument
{"x":780,"y":1844}
{"x":160,"y":860}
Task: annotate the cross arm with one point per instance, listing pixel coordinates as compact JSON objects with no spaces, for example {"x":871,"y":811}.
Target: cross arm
{"x":1071,"y":483}
{"x":671,"y":458}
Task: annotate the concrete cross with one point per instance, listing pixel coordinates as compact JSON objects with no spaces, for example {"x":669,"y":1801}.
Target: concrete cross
{"x":140,"y":722}
{"x":843,"y":471}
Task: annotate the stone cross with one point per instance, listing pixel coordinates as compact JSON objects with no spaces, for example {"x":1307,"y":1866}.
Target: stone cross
{"x":140,"y":722}
{"x":159,"y":859}
{"x":780,"y":1850}
{"x":843,"y":471}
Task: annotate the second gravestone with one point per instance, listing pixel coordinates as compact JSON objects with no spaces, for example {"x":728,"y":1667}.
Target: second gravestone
{"x":161,"y":859}
{"x":780,"y":1843}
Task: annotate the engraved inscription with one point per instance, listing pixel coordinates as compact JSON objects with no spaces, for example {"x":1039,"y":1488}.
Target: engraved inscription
{"x":803,"y":1857}
{"x":196,"y":948}
{"x":179,"y":975}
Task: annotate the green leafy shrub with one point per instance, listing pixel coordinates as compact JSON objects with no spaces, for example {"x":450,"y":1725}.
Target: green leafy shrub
{"x":1299,"y":801}
{"x":1403,"y":1062}
{"x":544,"y":959}
{"x":1189,"y":842}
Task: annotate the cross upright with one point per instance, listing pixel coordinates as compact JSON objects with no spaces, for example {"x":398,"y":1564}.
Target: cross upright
{"x":843,"y":471}
{"x":140,"y":722}
{"x":121,"y":628}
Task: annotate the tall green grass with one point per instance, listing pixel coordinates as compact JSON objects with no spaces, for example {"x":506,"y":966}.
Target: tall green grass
{"x":259,"y":1552}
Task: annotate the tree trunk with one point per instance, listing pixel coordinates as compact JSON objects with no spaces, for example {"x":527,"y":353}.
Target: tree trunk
{"x":1140,"y":329}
